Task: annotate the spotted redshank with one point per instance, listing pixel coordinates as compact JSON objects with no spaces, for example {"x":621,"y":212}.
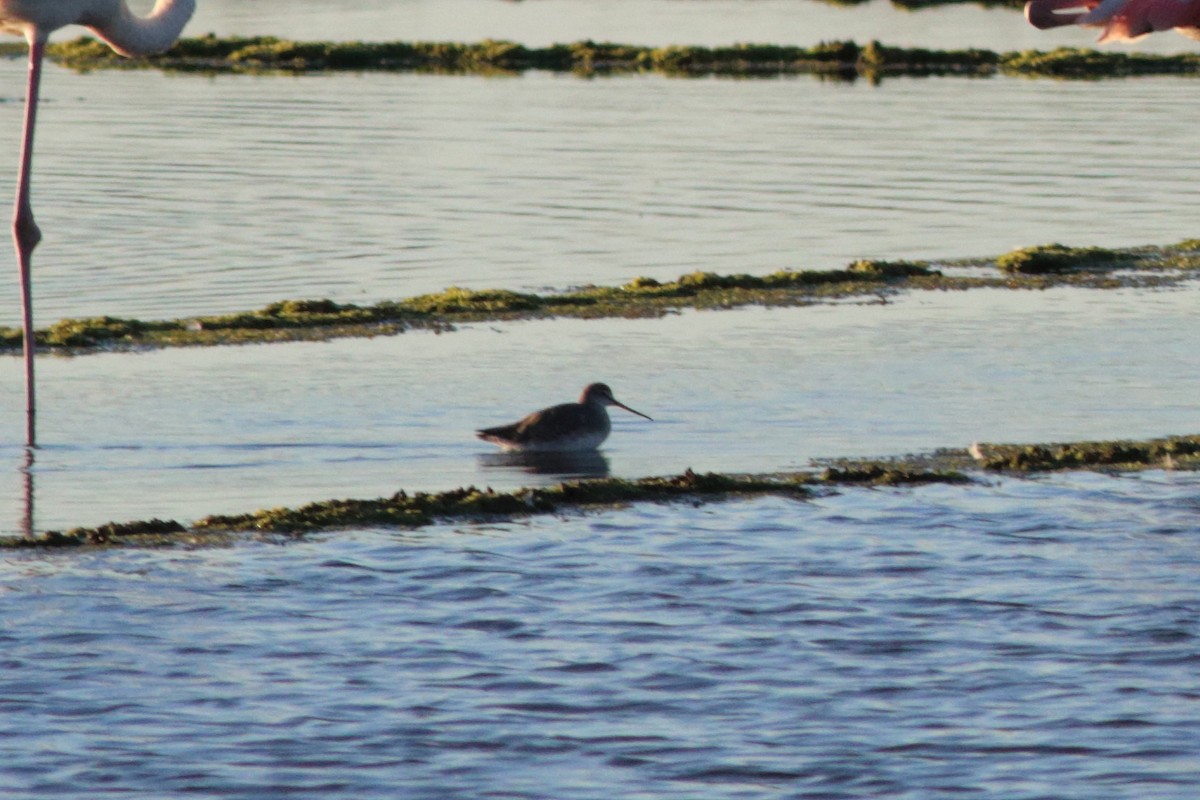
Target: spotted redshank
{"x":570,"y":427}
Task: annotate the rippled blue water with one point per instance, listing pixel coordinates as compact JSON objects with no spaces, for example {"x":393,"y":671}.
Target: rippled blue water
{"x":1015,"y":639}
{"x":1025,"y":639}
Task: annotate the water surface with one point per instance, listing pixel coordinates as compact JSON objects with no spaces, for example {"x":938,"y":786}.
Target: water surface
{"x":1025,"y":639}
{"x":648,"y":22}
{"x":184,"y":433}
{"x":1012,"y":638}
{"x":165,"y":196}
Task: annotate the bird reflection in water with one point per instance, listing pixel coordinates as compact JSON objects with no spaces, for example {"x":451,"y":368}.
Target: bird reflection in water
{"x":580,"y":464}
{"x":26,"y":524}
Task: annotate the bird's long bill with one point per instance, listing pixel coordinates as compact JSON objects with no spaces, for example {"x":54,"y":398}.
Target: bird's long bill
{"x":630,"y":410}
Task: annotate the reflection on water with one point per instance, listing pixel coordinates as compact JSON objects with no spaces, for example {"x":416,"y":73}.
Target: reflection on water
{"x":1015,"y":639}
{"x":363,"y":188}
{"x":183,"y":433}
{"x":648,"y":22}
{"x":589,"y":464}
{"x":1022,"y":639}
{"x":25,"y":524}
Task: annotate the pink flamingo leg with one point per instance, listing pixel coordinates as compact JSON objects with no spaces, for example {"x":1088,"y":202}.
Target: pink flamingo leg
{"x":25,"y":231}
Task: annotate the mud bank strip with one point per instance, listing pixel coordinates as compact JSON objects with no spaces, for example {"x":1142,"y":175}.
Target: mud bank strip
{"x":868,"y":281}
{"x":470,"y":504}
{"x":842,"y":60}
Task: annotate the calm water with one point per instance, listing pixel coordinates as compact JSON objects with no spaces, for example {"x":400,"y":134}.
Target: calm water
{"x":362,"y":188}
{"x":1028,"y":639}
{"x":1017,"y":639}
{"x":650,"y":22}
{"x":186,"y":433}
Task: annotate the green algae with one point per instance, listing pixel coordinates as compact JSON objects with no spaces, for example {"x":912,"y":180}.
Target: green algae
{"x":1088,"y":64}
{"x":866,"y":280}
{"x":404,"y":510}
{"x":891,"y":269}
{"x":421,"y":508}
{"x":1174,"y":452}
{"x":1057,"y":259}
{"x":471,"y":504}
{"x":155,"y":531}
{"x":891,"y":472}
{"x":457,"y":301}
{"x":93,"y":331}
{"x":843,"y":60}
{"x":270,"y":54}
{"x":293,"y":320}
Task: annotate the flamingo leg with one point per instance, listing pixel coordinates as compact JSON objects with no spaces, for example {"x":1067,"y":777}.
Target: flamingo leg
{"x":26,"y":234}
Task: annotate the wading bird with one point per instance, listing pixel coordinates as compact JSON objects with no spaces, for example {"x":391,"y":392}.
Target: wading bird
{"x":570,"y":427}
{"x":1120,"y":20}
{"x":124,"y":32}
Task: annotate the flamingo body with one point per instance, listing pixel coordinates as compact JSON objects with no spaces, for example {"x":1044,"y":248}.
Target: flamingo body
{"x":126,"y":33}
{"x":1119,"y":20}
{"x":111,"y":20}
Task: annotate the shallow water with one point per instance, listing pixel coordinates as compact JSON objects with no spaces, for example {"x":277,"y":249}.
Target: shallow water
{"x":1025,"y":639}
{"x":184,"y":433}
{"x":648,"y":22}
{"x":368,"y":187}
{"x":1017,"y":639}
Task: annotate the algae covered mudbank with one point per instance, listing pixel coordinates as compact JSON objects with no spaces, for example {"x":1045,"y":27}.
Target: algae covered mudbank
{"x":293,"y":320}
{"x":1040,"y":267}
{"x":403,"y":510}
{"x":843,"y":59}
{"x":470,"y":504}
{"x":1174,"y":452}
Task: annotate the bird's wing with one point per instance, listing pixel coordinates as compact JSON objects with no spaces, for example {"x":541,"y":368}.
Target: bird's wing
{"x":551,"y":423}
